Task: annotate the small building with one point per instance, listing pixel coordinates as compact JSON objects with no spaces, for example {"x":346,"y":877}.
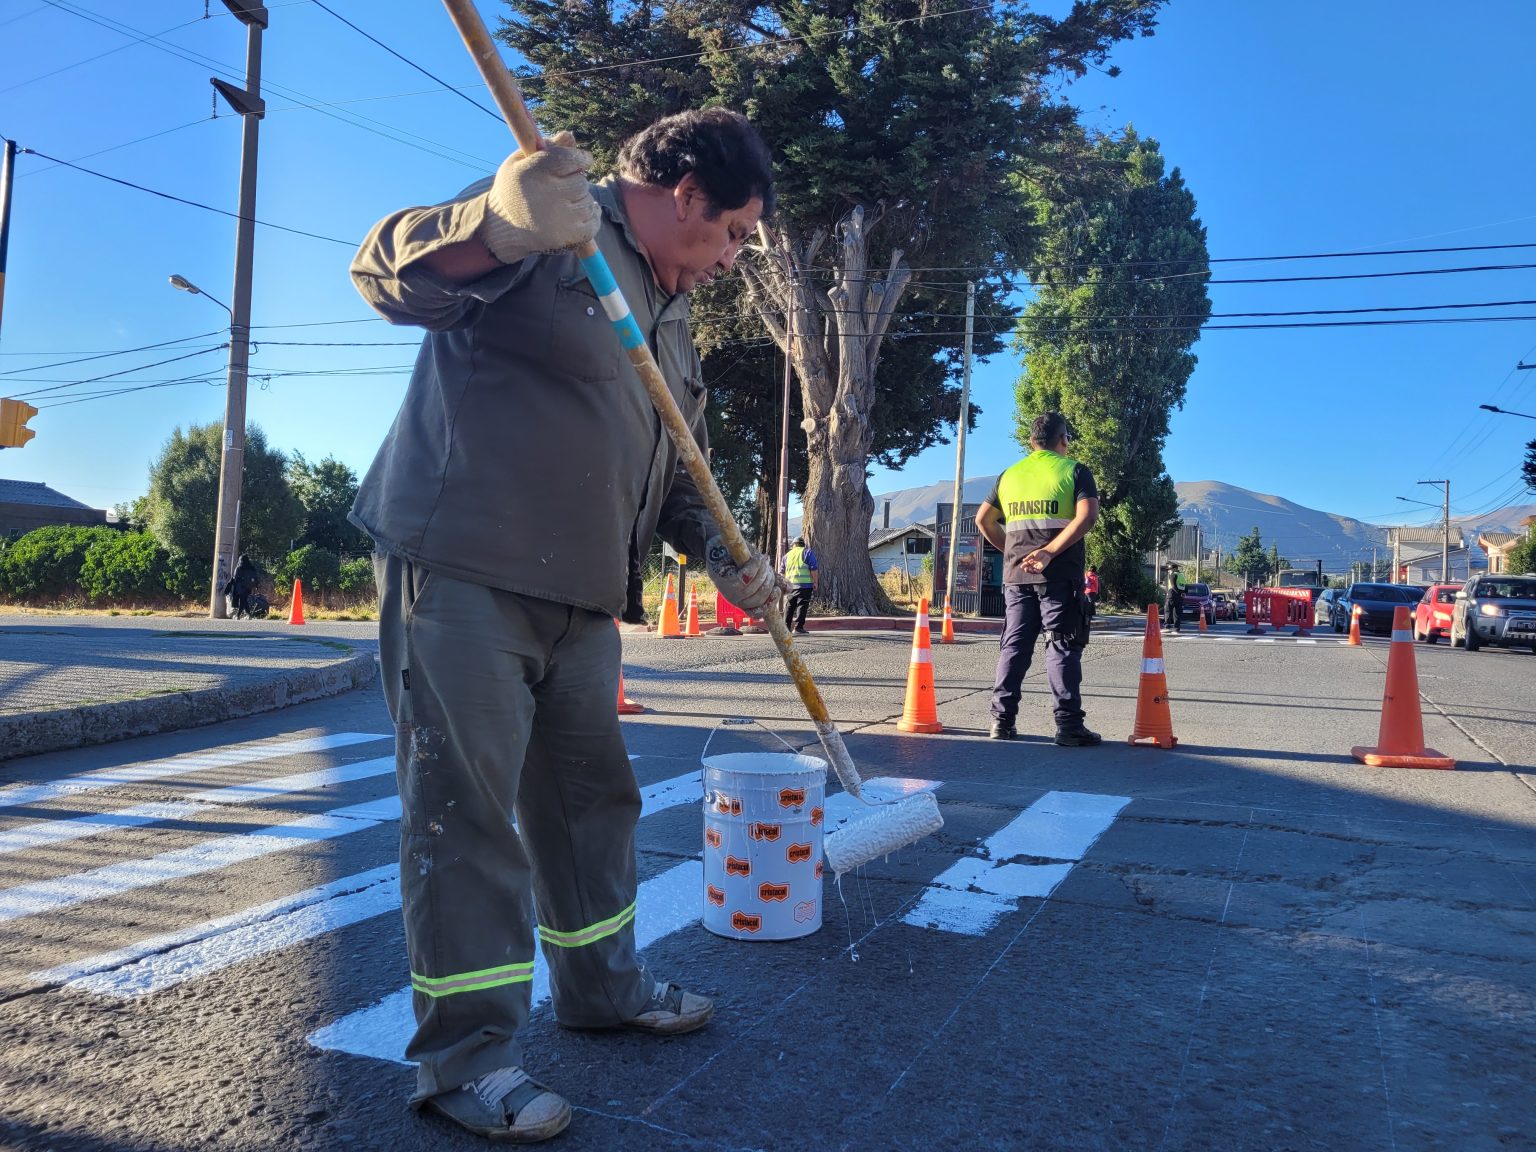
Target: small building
{"x":902,"y":548}
{"x":1498,"y":545}
{"x":1419,"y":555}
{"x":25,"y":505}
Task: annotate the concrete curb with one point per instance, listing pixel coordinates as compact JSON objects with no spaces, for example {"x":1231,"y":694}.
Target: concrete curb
{"x":31,"y":733}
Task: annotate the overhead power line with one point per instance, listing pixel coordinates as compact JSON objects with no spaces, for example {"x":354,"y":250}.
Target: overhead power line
{"x":103,"y":355}
{"x":184,"y":200}
{"x":406,"y":60}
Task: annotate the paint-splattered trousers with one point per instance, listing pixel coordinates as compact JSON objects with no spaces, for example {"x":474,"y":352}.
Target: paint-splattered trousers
{"x":518,"y":813}
{"x":1030,"y":610}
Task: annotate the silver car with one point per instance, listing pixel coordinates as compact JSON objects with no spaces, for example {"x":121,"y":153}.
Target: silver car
{"x":1497,"y":610}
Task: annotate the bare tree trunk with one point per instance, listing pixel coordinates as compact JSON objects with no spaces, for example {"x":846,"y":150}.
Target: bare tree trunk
{"x":835,"y":354}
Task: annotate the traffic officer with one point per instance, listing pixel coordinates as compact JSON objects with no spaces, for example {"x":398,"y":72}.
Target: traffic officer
{"x":1173,"y":606}
{"x":1037,"y":516}
{"x":800,"y":571}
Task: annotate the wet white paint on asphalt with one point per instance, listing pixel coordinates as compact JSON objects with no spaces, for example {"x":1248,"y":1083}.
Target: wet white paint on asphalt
{"x":19,"y":794}
{"x":975,"y":893}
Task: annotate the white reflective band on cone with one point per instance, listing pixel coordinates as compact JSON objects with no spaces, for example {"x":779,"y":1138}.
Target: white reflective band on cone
{"x":922,"y":655}
{"x":922,"y":620}
{"x":1153,"y":667}
{"x":1400,"y":636}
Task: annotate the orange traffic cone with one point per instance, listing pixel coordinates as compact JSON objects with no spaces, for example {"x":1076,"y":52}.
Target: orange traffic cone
{"x":921,"y":713}
{"x":1153,"y":720}
{"x":693,"y":613}
{"x":1354,"y":626}
{"x":947,"y":634}
{"x":668,"y":628}
{"x":296,"y":615}
{"x":1400,"y":742}
{"x":1202,"y":622}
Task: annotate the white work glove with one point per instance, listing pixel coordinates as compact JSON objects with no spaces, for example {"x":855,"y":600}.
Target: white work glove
{"x":540,"y":203}
{"x":752,"y":586}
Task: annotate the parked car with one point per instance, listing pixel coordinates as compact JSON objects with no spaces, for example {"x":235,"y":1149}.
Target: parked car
{"x":1322,"y":611}
{"x":1432,"y":615}
{"x":1377,"y":603}
{"x":1197,"y":603}
{"x":1223,"y":607}
{"x":1498,"y":610}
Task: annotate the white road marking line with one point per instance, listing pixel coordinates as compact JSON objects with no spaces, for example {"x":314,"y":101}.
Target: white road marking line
{"x":220,"y":852}
{"x":975,"y":893}
{"x":191,"y":804}
{"x":165,"y":961}
{"x":665,"y":904}
{"x":120,"y":973}
{"x":18,"y":794}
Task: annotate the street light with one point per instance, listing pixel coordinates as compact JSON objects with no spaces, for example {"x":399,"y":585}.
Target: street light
{"x":1506,"y":411}
{"x":182,"y":284}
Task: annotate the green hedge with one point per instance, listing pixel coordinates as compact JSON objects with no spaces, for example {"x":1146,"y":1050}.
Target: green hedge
{"x":46,"y":563}
{"x":128,"y":566}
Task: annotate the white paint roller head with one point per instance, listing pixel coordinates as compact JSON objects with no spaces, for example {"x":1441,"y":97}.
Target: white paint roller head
{"x":895,"y":826}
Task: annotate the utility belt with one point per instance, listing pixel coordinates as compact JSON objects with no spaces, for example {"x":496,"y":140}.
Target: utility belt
{"x":1079,"y":612}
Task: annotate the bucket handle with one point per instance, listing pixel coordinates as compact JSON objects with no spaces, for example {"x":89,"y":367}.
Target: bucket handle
{"x":742,"y":722}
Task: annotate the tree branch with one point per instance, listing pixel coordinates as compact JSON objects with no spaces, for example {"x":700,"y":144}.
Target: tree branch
{"x":897,"y":277}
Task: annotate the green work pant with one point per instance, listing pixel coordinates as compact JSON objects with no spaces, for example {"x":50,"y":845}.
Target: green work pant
{"x":516,"y":797}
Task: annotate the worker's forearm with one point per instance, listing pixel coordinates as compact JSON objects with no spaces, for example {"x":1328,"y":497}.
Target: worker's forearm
{"x":1078,"y":528}
{"x":461,"y":263}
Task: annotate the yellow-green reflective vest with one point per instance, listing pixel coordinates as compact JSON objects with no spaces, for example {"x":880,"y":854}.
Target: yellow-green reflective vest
{"x":796,"y":570}
{"x":1039,"y":499}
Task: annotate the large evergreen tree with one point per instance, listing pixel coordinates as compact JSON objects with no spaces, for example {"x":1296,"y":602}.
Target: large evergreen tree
{"x":897,"y":127}
{"x":1107,"y":340}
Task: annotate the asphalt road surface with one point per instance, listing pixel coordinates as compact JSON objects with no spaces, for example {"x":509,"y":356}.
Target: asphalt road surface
{"x":1248,"y":942}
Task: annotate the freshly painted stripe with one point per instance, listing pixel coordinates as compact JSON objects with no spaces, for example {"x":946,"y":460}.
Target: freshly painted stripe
{"x":1305,"y":641}
{"x":60,"y":831}
{"x":165,"y":961}
{"x":220,"y":852}
{"x":18,"y":794}
{"x":975,"y":893}
{"x":1152,"y":666}
{"x":666,"y":904}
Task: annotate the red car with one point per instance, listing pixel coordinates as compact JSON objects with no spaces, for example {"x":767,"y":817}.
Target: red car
{"x":1432,"y":615}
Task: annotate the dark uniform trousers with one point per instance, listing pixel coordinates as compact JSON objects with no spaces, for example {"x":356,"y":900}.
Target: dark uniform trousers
{"x":1173,"y":608}
{"x":1032,"y":609}
{"x":518,"y":808}
{"x":799,"y":602}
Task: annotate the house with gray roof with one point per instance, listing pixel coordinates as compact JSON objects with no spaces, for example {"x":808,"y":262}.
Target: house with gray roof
{"x":26,"y":504}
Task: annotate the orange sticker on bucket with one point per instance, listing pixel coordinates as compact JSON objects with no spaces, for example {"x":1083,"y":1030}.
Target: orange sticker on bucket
{"x":818,"y":869}
{"x":716,"y":895}
{"x":797,"y":853}
{"x":743,"y":922}
{"x":712,"y":837}
{"x":791,"y":797}
{"x":770,"y":892}
{"x":727,"y":805}
{"x":805,"y":910}
{"x":816,"y":817}
{"x":735,"y":867}
{"x":764,"y":831}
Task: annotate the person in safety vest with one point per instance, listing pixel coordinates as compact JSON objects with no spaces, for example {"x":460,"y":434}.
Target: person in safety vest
{"x":1173,"y":605}
{"x":1037,"y":516}
{"x":799,"y":570}
{"x":525,"y":472}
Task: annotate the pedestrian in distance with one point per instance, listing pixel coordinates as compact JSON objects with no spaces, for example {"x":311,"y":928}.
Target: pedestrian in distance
{"x":241,"y":585}
{"x":1173,"y":599}
{"x":1091,"y":587}
{"x":1037,"y":516}
{"x":799,"y":569}
{"x":524,"y":474}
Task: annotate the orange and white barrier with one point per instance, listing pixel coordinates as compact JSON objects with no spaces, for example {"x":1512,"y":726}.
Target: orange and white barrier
{"x":921,"y":712}
{"x":1400,"y":740}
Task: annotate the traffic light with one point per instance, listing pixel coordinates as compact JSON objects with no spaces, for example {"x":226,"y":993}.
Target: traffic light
{"x":14,"y":415}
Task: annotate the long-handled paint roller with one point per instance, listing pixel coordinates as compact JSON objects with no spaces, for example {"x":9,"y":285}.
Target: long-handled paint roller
{"x":901,"y":822}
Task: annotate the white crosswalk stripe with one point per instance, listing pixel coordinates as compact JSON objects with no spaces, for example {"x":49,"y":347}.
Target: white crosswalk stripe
{"x":969,"y":897}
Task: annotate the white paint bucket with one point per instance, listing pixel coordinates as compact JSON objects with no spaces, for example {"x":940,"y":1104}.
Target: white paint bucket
{"x":763,"y":816}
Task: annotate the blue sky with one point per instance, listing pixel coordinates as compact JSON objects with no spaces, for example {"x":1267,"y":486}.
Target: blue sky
{"x":1340,"y":127}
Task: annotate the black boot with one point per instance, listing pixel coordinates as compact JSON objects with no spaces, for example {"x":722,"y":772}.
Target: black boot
{"x":1003,"y":730}
{"x":1075,"y":734}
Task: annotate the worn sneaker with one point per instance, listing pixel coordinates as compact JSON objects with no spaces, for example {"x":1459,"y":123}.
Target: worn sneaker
{"x":670,"y":1011}
{"x":1003,"y":730}
{"x":1076,"y":736}
{"x":505,"y":1105}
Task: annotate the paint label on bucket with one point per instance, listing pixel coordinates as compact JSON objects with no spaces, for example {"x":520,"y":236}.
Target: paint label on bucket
{"x":767,"y":892}
{"x":745,"y":922}
{"x":798,"y":853}
{"x":764,"y":831}
{"x":805,"y":910}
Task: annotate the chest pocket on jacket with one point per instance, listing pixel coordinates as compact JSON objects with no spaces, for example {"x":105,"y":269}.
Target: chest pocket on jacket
{"x":583,"y":343}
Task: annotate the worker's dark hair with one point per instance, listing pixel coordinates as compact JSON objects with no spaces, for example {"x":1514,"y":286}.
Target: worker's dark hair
{"x":720,"y":147}
{"x":1048,"y":427}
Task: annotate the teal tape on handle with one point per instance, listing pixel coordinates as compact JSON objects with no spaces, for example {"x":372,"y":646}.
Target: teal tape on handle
{"x":614,"y":304}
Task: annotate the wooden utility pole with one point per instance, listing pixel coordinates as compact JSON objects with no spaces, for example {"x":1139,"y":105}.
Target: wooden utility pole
{"x":965,"y":418}
{"x":247,"y":102}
